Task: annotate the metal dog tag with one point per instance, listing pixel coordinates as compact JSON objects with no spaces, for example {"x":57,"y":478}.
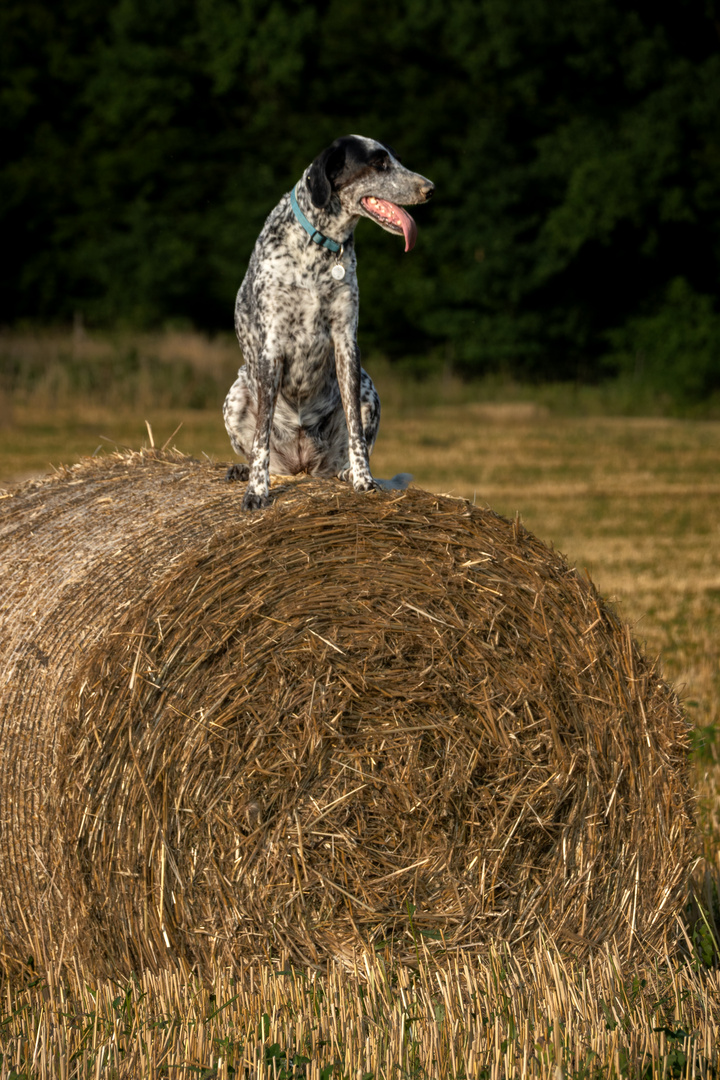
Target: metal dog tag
{"x":338,"y":271}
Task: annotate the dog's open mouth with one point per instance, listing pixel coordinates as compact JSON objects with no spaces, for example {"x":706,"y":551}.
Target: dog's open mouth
{"x":391,"y":217}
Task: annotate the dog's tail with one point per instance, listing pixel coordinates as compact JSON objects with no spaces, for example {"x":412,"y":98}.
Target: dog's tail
{"x":398,"y":483}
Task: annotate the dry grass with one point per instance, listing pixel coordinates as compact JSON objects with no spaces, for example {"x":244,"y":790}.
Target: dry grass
{"x":500,"y":1015}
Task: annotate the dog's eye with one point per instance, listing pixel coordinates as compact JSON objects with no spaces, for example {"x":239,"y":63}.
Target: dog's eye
{"x":381,"y":164}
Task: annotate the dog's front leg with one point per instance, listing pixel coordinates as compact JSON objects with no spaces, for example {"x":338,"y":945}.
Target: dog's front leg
{"x":347,"y":366}
{"x":268,"y":382}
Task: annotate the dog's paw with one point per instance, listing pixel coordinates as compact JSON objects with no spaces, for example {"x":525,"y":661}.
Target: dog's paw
{"x":255,"y":500}
{"x":237,"y":472}
{"x":365,"y":483}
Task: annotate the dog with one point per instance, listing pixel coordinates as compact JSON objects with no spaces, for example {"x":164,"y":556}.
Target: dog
{"x":302,"y":402}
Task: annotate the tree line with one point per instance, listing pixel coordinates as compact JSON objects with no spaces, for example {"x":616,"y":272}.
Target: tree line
{"x":574,"y":144}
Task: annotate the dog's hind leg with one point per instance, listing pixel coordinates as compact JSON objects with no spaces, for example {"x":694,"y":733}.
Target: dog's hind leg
{"x":239,"y":414}
{"x":239,"y":471}
{"x":369,"y":410}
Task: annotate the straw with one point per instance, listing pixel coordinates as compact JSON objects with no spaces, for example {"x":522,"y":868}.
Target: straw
{"x":347,"y":721}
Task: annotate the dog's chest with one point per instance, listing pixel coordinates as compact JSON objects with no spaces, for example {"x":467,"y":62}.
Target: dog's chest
{"x":291,"y":303}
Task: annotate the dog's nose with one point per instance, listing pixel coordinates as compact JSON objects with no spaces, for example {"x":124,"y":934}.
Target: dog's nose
{"x":427,"y":190}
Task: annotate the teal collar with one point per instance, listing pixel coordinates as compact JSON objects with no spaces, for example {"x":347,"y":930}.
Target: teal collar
{"x":313,"y":233}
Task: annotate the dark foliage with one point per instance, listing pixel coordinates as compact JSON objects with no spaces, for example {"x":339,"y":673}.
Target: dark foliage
{"x":575,"y":147}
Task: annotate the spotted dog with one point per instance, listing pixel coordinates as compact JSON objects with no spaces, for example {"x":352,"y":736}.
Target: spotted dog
{"x":302,"y":402}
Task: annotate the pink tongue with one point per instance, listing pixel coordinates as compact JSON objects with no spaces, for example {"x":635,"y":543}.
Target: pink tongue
{"x":409,"y":228}
{"x":397,"y":216}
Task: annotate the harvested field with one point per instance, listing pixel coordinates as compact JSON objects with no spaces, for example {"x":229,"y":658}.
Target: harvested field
{"x":530,"y":1017}
{"x":345,"y":721}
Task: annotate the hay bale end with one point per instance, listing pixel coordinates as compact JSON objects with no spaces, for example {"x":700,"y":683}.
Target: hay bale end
{"x":227,"y":735}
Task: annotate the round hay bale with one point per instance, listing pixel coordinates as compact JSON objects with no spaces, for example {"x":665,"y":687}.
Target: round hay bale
{"x":345,"y":720}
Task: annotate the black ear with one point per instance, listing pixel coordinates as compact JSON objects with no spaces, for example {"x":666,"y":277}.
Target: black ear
{"x":323,"y":169}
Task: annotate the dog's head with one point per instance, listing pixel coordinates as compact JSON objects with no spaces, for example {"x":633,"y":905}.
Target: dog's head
{"x":369,"y":181}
